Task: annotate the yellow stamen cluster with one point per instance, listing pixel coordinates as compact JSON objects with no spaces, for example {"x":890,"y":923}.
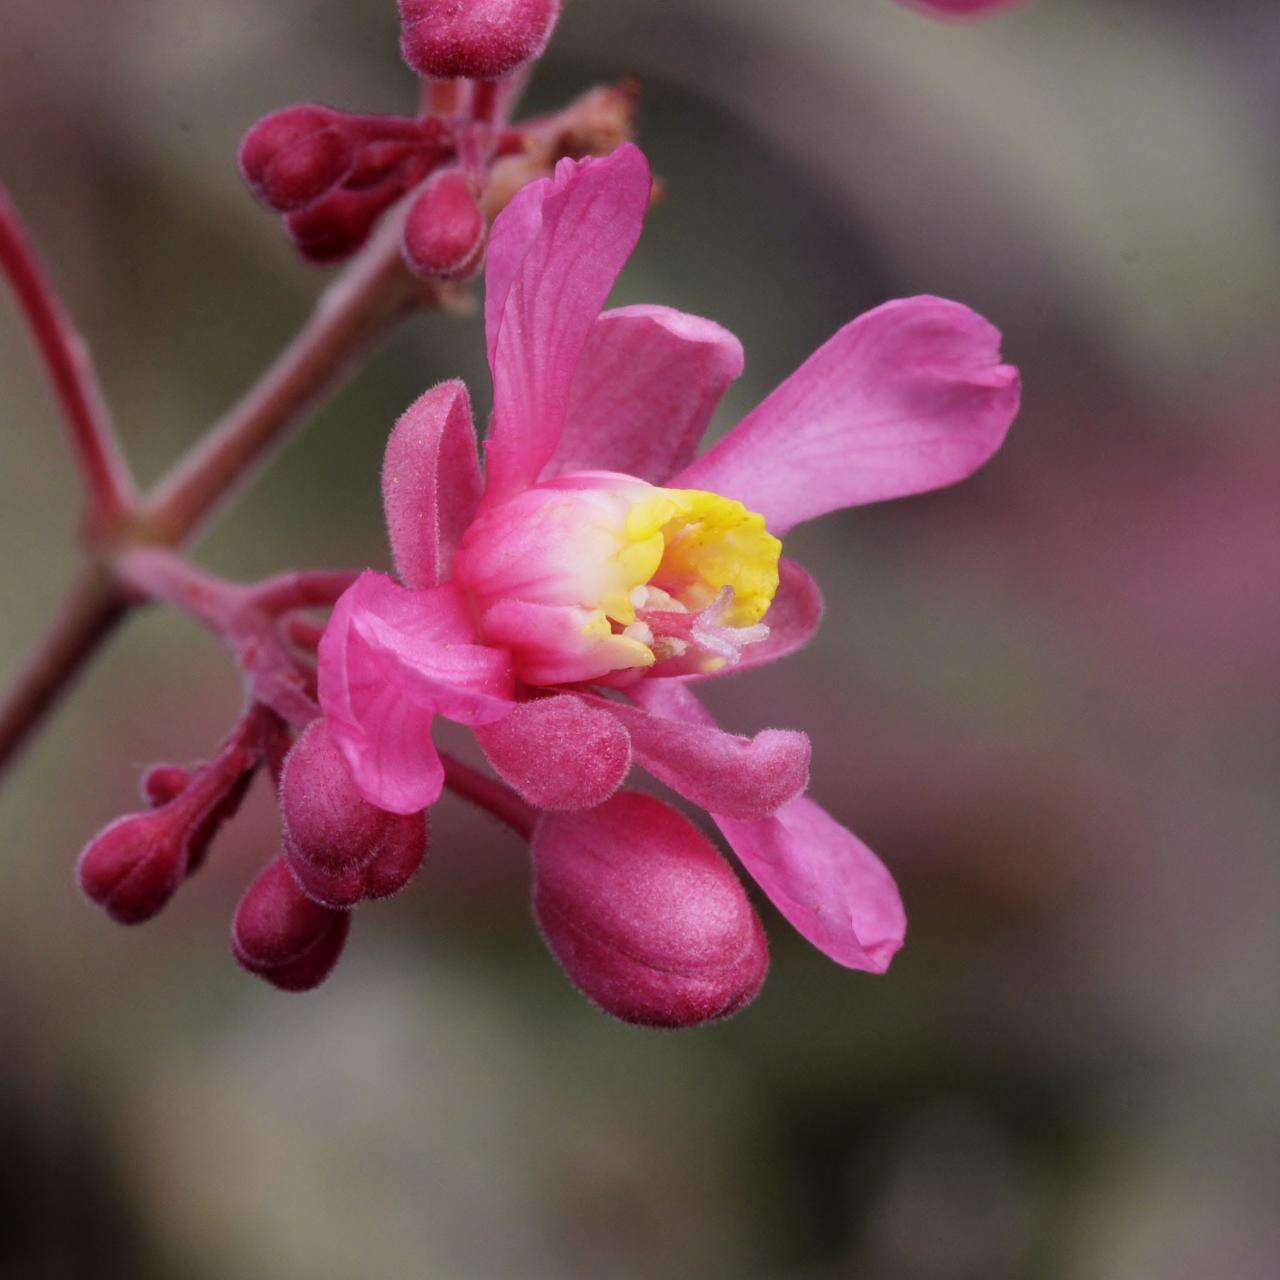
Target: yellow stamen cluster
{"x":692,"y":544}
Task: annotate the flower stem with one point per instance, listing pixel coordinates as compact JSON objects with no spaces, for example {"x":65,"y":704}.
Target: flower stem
{"x":110,"y":493}
{"x":90,"y":613}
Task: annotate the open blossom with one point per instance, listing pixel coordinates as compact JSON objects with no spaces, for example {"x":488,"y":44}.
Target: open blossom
{"x":565,"y":601}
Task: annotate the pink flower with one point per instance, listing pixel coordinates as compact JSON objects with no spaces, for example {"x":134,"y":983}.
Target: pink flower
{"x":565,"y":602}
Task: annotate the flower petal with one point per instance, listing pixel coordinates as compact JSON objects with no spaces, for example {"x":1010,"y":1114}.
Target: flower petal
{"x":646,"y":387}
{"x":431,"y":483}
{"x":558,"y":753}
{"x":390,"y":659}
{"x":544,"y":300}
{"x":906,"y":398}
{"x":559,"y":644}
{"x":724,"y":773}
{"x":828,"y":884}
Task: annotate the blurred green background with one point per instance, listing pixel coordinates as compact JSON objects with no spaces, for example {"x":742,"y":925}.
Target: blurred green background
{"x":1048,"y":698}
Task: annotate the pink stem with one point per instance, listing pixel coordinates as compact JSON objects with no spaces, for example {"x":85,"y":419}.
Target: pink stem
{"x":90,"y":613}
{"x":276,"y":677}
{"x":162,"y":576}
{"x":301,"y":589}
{"x":109,"y":489}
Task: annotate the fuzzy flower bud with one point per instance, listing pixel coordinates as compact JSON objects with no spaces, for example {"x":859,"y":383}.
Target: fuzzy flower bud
{"x":134,"y":865}
{"x":445,"y":230}
{"x":341,"y":849}
{"x":281,"y":935}
{"x":164,"y":782}
{"x":476,"y":39}
{"x":645,"y":915}
{"x":293,"y":157}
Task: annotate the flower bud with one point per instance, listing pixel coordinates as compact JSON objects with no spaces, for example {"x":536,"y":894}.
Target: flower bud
{"x":281,"y":935}
{"x":476,"y":39}
{"x":444,"y":233}
{"x":645,"y":915}
{"x":164,"y":782}
{"x":133,"y":866}
{"x":292,"y":158}
{"x":336,"y":226}
{"x":340,"y":847}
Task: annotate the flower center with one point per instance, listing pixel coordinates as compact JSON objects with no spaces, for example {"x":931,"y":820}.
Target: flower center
{"x":695,"y":569}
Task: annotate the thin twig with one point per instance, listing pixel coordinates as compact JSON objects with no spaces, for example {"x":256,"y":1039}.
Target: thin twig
{"x":92,"y":609}
{"x":110,"y":493}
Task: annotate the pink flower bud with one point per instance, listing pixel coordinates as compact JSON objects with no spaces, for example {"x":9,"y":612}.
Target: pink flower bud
{"x":281,"y":935}
{"x":340,"y":847}
{"x":645,"y":915}
{"x":337,"y":225}
{"x":292,"y":158}
{"x":164,"y":782}
{"x":477,"y":39}
{"x":445,"y":230}
{"x":133,"y":866}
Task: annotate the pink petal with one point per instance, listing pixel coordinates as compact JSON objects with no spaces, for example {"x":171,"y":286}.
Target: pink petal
{"x":724,"y":773}
{"x":390,"y":659}
{"x":431,"y":483}
{"x":559,"y":753}
{"x":792,"y":619}
{"x":646,"y":387}
{"x":552,"y":644}
{"x":909,"y":397}
{"x":828,"y":884}
{"x":544,"y":301}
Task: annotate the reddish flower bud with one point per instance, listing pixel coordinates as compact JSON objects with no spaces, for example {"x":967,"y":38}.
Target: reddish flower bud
{"x":340,"y":847}
{"x":336,"y":226}
{"x":292,"y":158}
{"x":164,"y":782}
{"x":645,"y":915}
{"x":133,"y":866}
{"x":444,"y":233}
{"x":281,"y":935}
{"x":477,"y":39}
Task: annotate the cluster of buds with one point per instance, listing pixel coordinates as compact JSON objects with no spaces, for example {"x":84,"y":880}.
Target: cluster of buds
{"x":133,"y":867}
{"x":333,"y":175}
{"x":336,"y":849}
